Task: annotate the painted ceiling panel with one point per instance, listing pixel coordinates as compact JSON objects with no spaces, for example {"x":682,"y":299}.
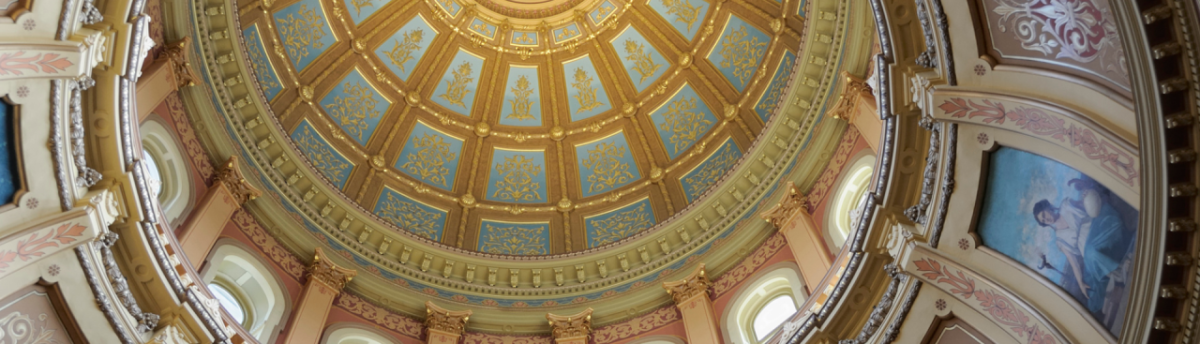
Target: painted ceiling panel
{"x":705,"y":175}
{"x":268,"y":80}
{"x":404,"y":50}
{"x":450,"y":6}
{"x":770,"y":99}
{"x":361,"y":9}
{"x":602,"y":12}
{"x":431,"y":156}
{"x":518,"y":176}
{"x":739,"y":52}
{"x":411,"y":215}
{"x":482,"y":28}
{"x":524,"y":38}
{"x":567,"y":33}
{"x":585,"y":94}
{"x":685,"y":16}
{"x":321,"y":155}
{"x":682,"y":121}
{"x":605,"y":164}
{"x":304,"y":30}
{"x":521,"y":239}
{"x":522,"y":97}
{"x":355,"y":106}
{"x":458,"y":87}
{"x":620,"y":223}
{"x":642,"y":61}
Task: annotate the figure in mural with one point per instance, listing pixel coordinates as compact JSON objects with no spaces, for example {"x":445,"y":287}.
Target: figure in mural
{"x":1071,"y":229}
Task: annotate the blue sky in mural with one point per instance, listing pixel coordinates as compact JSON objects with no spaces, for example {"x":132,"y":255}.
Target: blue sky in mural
{"x":686,"y":16}
{"x":1096,"y":228}
{"x":566,"y":33}
{"x":522,"y":97}
{"x":602,"y":12}
{"x":605,"y":164}
{"x":517,"y":176}
{"x":9,"y":171}
{"x":705,"y":175}
{"x":770,"y":99}
{"x":361,"y":9}
{"x":459,"y":84}
{"x":620,"y":223}
{"x":268,"y":80}
{"x":521,"y":239}
{"x":585,"y":93}
{"x":739,"y":52}
{"x":682,"y":121}
{"x":321,"y":155}
{"x":294,"y":24}
{"x":405,"y":48}
{"x":416,"y":217}
{"x":355,"y":106}
{"x":642,"y":61}
{"x":431,"y":156}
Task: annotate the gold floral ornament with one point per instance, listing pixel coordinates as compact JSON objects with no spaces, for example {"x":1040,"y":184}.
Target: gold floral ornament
{"x":521,"y":102}
{"x":262,"y":66}
{"x":604,"y":160}
{"x":402,"y":51}
{"x":409,"y":216}
{"x":643,"y":64}
{"x":321,"y":156}
{"x":711,"y":171}
{"x":516,"y":182}
{"x":683,"y":11}
{"x":456,"y":89}
{"x":301,"y":31}
{"x":777,"y":87}
{"x":586,"y":94}
{"x":619,"y":226}
{"x":352,"y":109}
{"x":741,"y":54}
{"x":684,"y":124}
{"x":514,"y":240}
{"x":430,"y":160}
{"x":359,"y":4}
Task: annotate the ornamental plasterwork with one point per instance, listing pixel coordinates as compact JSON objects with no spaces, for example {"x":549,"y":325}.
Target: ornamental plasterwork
{"x":606,"y":160}
{"x":302,"y":32}
{"x":521,"y":240}
{"x":620,"y":225}
{"x":352,"y":108}
{"x":432,"y":160}
{"x":518,"y":180}
{"x":408,"y":215}
{"x":684,"y":123}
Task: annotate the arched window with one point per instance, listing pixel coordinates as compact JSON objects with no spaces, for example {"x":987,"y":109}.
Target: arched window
{"x":250,"y":292}
{"x":154,"y":174}
{"x":839,"y":215}
{"x":166,"y":163}
{"x":763,"y":305}
{"x":773,"y":314}
{"x":353,"y":333}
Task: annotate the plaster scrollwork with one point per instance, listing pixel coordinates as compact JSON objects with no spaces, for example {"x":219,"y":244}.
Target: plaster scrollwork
{"x":146,"y":321}
{"x":89,"y":14}
{"x":898,"y":238}
{"x":919,"y":213}
{"x":441,"y":319}
{"x":927,"y":58}
{"x":95,"y":48}
{"x":87,"y":175}
{"x":571,"y":326}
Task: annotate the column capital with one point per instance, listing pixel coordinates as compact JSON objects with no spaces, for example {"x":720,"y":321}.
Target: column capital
{"x":787,"y":206}
{"x":570,"y":327}
{"x":694,"y":284}
{"x":324,"y":271}
{"x":231,"y":177}
{"x":175,"y":54}
{"x":441,"y":319}
{"x":854,"y":90}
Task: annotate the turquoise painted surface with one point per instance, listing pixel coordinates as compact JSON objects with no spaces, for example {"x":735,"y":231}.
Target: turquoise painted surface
{"x":9,"y":171}
{"x":450,"y":6}
{"x":619,"y":224}
{"x":431,"y":156}
{"x":321,"y":155}
{"x":705,"y":175}
{"x":682,"y":121}
{"x":304,"y":31}
{"x":483,"y":28}
{"x":602,"y":12}
{"x":566,"y":33}
{"x":524,"y":38}
{"x":355,"y":106}
{"x":420,"y":219}
{"x":517,"y":176}
{"x":360,"y":10}
{"x":585,"y":94}
{"x":268,"y":80}
{"x":404,"y":50}
{"x":517,"y":239}
{"x":457,"y":89}
{"x":605,"y":165}
{"x":643,"y":63}
{"x":522,"y":97}
{"x":770,"y":99}
{"x":686,"y":16}
{"x":739,"y":52}
{"x":801,"y":10}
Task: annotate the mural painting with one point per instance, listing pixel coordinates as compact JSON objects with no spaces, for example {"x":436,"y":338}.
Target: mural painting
{"x":1064,"y":225}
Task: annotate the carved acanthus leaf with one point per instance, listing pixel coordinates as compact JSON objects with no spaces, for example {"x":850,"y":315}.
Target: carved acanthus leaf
{"x":323,"y":271}
{"x":694,"y":284}
{"x":232,"y":178}
{"x":441,"y":319}
{"x":791,"y":203}
{"x":571,"y":326}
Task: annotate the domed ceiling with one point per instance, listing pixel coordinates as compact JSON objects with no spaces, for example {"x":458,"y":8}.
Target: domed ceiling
{"x":523,"y":127}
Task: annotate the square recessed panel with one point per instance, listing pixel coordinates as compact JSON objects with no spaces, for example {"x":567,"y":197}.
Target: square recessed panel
{"x":705,"y":175}
{"x":517,"y":176}
{"x":517,"y":239}
{"x":642,"y":62}
{"x":770,"y":99}
{"x":482,"y":28}
{"x":321,"y":155}
{"x":619,"y":224}
{"x":566,"y":33}
{"x":355,"y":106}
{"x":431,"y":156}
{"x":605,"y":164}
{"x":682,"y":121}
{"x":739,"y":52}
{"x":459,"y":85}
{"x":585,"y":93}
{"x":602,"y":12}
{"x":450,"y":6}
{"x":405,"y":48}
{"x":264,"y":71}
{"x":686,"y":16}
{"x":522,"y":97}
{"x":304,"y":31}
{"x":524,"y":38}
{"x":416,"y":217}
{"x":361,"y":9}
